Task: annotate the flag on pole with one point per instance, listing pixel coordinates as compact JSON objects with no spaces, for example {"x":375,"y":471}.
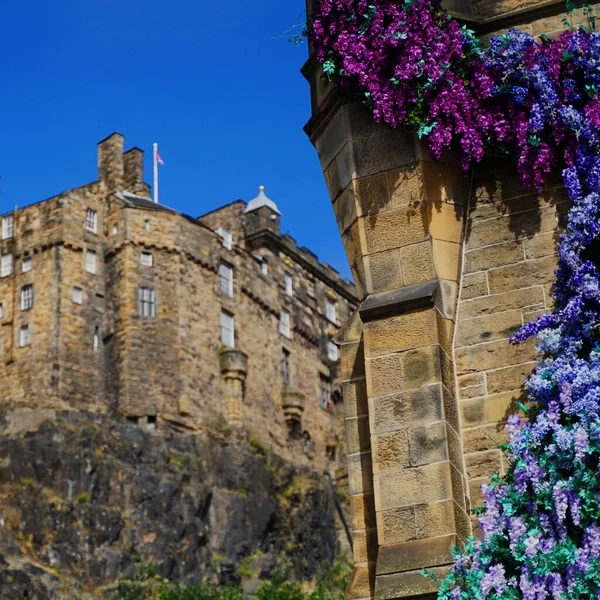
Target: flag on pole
{"x":159,"y":159}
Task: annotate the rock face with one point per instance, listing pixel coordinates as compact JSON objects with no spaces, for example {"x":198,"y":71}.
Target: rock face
{"x":84,"y":500}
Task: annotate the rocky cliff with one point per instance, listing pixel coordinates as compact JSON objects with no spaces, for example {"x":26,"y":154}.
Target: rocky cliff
{"x":84,"y":500}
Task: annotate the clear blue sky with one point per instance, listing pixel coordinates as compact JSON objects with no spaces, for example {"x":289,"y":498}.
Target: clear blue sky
{"x":216,"y":84}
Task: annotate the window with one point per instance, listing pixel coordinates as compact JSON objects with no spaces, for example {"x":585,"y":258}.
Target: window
{"x":78,"y":295}
{"x":227,"y":329}
{"x":330,"y":311}
{"x":91,"y":220}
{"x":226,"y":279}
{"x":288,"y":282}
{"x":285,"y":367}
{"x":6,"y":265}
{"x":24,"y":336}
{"x":146,"y":302}
{"x":146,"y":259}
{"x":8,"y":227}
{"x":90,"y":262}
{"x":115,"y":229}
{"x":26,"y":264}
{"x":264,"y":267}
{"x":1,"y":310}
{"x":146,"y":225}
{"x":284,"y":323}
{"x":226,"y":237}
{"x":26,"y":297}
{"x":96,"y":341}
{"x":325,"y":395}
{"x":332,"y":351}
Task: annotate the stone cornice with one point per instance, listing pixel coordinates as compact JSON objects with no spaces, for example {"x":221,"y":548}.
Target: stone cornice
{"x":400,"y":301}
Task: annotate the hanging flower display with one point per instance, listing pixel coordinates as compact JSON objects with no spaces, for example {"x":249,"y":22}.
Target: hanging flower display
{"x":538,"y":100}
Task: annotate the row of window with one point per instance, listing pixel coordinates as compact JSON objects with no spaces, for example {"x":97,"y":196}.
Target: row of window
{"x":228,"y":332}
{"x":8,"y":224}
{"x":226,"y":287}
{"x":25,"y":337}
{"x":91,"y":259}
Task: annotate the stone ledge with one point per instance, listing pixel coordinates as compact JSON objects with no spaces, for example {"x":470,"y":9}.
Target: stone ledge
{"x":400,"y":301}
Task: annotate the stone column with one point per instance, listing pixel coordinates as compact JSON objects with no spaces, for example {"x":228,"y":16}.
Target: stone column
{"x":234,"y":368}
{"x":401,"y":219}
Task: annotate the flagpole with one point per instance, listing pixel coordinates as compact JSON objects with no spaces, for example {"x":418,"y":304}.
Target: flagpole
{"x":155,"y":165}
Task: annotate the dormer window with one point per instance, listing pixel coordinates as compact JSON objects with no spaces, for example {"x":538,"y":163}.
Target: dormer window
{"x":226,"y":237}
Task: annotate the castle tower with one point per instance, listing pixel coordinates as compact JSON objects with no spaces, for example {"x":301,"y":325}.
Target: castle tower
{"x":261,"y":216}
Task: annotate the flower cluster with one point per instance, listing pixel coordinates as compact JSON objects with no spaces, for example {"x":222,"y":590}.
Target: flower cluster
{"x":417,"y":67}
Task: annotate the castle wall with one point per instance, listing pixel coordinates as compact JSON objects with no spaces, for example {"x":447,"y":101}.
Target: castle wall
{"x":90,"y":348}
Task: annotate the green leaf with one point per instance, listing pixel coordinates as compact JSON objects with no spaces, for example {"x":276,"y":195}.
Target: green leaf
{"x":425,"y":130}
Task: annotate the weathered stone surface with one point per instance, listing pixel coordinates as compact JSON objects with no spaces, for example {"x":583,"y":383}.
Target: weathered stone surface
{"x":491,"y":409}
{"x":509,"y":228}
{"x":416,"y":554}
{"x":493,"y":256}
{"x":409,"y":584}
{"x":508,"y":378}
{"x":386,"y":270}
{"x":362,"y":511}
{"x":357,"y":434}
{"x":419,"y":485}
{"x":487,"y":328}
{"x":360,"y":473}
{"x":390,"y":451}
{"x":474,"y":285}
{"x":486,"y":437}
{"x":428,"y":444}
{"x":412,"y":330}
{"x":362,"y":582}
{"x":434,"y":519}
{"x":492,"y":355}
{"x":355,"y":398}
{"x":417,"y":263}
{"x":364,"y":546}
{"x":393,"y":229}
{"x":514,"y":300}
{"x":483,"y":464}
{"x":396,"y":525}
{"x":107,"y":495}
{"x":523,"y":274}
{"x":401,"y":410}
{"x":422,"y":367}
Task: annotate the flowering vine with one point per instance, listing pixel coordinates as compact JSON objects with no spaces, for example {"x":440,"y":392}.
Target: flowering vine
{"x":539,"y":100}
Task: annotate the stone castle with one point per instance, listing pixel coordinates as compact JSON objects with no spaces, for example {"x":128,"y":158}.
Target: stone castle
{"x":447,"y":267}
{"x":110,"y":303}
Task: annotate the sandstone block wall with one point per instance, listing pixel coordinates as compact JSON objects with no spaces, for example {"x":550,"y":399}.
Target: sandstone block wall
{"x":447,"y":267}
{"x":99,"y":354}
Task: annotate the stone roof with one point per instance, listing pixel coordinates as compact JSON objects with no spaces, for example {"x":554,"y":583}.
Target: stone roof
{"x":260,"y":201}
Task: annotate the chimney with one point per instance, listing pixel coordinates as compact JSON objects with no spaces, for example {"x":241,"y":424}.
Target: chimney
{"x":133,"y":167}
{"x":110,"y":161}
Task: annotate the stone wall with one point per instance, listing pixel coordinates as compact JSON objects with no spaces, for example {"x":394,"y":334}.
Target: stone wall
{"x":167,"y":371}
{"x":447,"y":267}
